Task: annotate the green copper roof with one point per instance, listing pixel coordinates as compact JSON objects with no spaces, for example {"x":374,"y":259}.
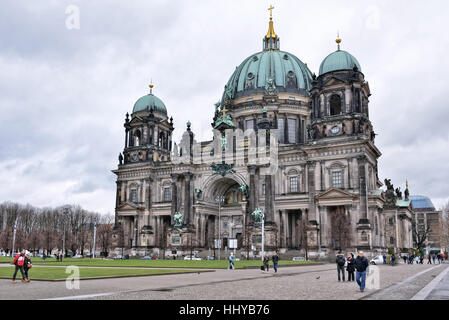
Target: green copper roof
{"x":145,"y":103}
{"x":287,"y":72}
{"x":339,"y":60}
{"x":403,"y":203}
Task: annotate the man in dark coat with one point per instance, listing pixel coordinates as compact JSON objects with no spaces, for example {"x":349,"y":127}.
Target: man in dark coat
{"x":340,"y":261}
{"x":350,"y":267}
{"x":361,"y":264}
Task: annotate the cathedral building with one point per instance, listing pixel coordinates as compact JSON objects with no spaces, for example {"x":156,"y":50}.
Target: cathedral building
{"x":314,"y":131}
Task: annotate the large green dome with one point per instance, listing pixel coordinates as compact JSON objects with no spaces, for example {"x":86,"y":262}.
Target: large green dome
{"x":339,"y":60}
{"x":288,"y":72}
{"x":146,"y":103}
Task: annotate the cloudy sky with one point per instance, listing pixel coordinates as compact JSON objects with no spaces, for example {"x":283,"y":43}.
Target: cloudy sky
{"x":66,"y":84}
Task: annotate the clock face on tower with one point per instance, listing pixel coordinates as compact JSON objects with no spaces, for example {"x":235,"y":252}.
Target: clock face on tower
{"x":335,"y":130}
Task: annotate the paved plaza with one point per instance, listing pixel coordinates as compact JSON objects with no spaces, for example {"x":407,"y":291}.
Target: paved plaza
{"x":292,"y":283}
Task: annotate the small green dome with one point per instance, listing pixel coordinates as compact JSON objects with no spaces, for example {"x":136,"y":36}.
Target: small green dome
{"x":339,"y":60}
{"x":286,"y":72}
{"x":149,"y":101}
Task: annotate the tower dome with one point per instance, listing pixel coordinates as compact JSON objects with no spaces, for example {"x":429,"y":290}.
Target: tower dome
{"x":281,"y":70}
{"x":150,"y":102}
{"x":339,"y":60}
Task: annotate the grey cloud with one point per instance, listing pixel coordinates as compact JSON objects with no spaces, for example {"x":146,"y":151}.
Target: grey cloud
{"x":64,"y":93}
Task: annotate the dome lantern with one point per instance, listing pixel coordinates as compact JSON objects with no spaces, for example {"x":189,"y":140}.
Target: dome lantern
{"x":271,"y":40}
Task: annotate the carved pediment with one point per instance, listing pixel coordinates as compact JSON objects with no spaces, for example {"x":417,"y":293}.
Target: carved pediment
{"x":333,"y":81}
{"x":335,"y":193}
{"x":127,"y":206}
{"x":136,"y":120}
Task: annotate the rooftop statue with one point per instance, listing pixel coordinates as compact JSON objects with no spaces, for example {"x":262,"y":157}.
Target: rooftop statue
{"x":388,"y":184}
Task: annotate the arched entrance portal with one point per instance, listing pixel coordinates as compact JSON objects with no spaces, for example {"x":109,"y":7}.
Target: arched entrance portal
{"x":228,"y":222}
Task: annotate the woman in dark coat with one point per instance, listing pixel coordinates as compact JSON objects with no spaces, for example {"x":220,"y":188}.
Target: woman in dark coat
{"x":350,"y":267}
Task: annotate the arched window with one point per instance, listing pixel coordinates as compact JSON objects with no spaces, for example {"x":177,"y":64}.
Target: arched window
{"x":335,"y":105}
{"x":133,"y":195}
{"x":137,"y":137}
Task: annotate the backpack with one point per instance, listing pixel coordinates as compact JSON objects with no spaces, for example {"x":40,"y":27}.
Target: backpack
{"x":340,"y":261}
{"x":20,"y":261}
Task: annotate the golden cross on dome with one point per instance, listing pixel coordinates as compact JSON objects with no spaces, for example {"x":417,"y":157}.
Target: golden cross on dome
{"x":151,"y":86}
{"x":223,"y":112}
{"x":271,"y":11}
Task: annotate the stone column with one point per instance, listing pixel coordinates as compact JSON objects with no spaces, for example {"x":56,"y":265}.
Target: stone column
{"x":252,"y":190}
{"x":362,"y":188}
{"x":188,"y":218}
{"x":285,"y":223}
{"x":310,"y":167}
{"x":136,"y":230}
{"x":174,"y":195}
{"x":269,"y":200}
{"x":117,"y":202}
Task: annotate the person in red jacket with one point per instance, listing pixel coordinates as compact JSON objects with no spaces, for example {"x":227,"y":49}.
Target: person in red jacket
{"x":19,"y":261}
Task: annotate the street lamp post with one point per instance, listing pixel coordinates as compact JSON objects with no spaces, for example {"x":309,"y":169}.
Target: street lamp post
{"x":260,"y":213}
{"x":219,"y":200}
{"x":95,"y":237}
{"x":14,"y":235}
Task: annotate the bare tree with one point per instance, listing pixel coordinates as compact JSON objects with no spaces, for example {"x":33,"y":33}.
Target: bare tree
{"x":445,"y":229}
{"x":104,"y":233}
{"x":340,"y":230}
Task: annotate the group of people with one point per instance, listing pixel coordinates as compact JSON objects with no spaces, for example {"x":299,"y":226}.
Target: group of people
{"x":22,"y":262}
{"x":357,"y":265}
{"x":266,"y":262}
{"x":431,"y":258}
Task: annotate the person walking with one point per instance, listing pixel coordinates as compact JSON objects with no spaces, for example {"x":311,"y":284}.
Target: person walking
{"x":361,"y":264}
{"x":385,"y":258}
{"x":439,"y":258}
{"x":350,"y":267}
{"x":429,"y":261}
{"x":19,"y":260}
{"x":393,"y":258}
{"x":231,"y":261}
{"x":266,"y":262}
{"x":44,"y":256}
{"x":275,"y":259}
{"x":27,"y":266}
{"x":433,"y":258}
{"x":421,"y":259}
{"x":340,"y":261}
{"x":405,"y":258}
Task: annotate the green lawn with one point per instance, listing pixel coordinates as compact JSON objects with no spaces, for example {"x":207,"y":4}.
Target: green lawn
{"x":56,"y":273}
{"x":212,"y":264}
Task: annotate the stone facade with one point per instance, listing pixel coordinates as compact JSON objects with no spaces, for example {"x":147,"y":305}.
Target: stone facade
{"x":323,"y":196}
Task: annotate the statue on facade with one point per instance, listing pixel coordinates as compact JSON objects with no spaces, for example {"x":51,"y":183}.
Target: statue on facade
{"x":270,"y":86}
{"x":258,"y":215}
{"x":217,"y":107}
{"x":244,"y":189}
{"x":177,"y":220}
{"x":223,"y":143}
{"x":120,"y":158}
{"x":198,"y":193}
{"x":361,"y":125}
